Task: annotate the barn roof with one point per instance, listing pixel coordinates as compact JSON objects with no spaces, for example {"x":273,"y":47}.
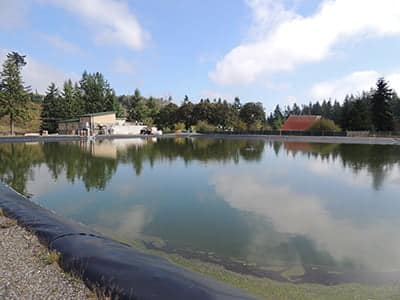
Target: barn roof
{"x":299,"y":123}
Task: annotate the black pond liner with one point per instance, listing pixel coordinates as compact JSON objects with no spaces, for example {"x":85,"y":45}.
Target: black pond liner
{"x":114,"y":268}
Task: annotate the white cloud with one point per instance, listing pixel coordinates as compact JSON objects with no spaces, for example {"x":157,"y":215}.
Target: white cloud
{"x":60,"y":43}
{"x":123,"y":66}
{"x":353,"y":83}
{"x":112,"y":20}
{"x":39,"y":75}
{"x":284,"y":43}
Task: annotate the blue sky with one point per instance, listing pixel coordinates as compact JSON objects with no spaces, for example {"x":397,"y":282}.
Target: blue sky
{"x":274,"y":51}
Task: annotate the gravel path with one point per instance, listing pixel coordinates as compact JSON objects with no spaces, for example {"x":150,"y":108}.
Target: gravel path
{"x":29,"y":271}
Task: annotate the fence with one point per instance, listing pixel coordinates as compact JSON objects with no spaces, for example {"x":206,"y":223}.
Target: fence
{"x":279,"y":132}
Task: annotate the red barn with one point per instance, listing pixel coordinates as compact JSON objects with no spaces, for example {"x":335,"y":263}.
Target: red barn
{"x":299,"y":123}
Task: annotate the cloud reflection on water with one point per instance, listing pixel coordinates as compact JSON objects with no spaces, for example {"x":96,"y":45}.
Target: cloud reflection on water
{"x":375,"y":245}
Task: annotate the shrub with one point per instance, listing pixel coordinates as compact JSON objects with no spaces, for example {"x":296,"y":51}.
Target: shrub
{"x":324,"y":125}
{"x":180,"y":126}
{"x":240,"y":126}
{"x":205,"y":126}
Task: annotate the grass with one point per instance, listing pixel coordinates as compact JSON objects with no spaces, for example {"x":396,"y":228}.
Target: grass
{"x":49,"y":257}
{"x":293,"y":271}
{"x":264,"y":288}
{"x":1,"y":212}
{"x":33,"y":125}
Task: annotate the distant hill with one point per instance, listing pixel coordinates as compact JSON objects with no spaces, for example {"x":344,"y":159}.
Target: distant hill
{"x":20,"y":128}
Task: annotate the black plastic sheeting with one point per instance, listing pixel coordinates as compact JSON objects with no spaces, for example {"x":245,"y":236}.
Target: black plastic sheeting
{"x":116,"y":269}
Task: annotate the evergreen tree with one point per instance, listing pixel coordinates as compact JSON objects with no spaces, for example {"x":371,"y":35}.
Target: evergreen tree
{"x":237,"y":105}
{"x":133,"y":106}
{"x":186,"y":113}
{"x":51,"y":109}
{"x":97,"y":94}
{"x":295,"y":110}
{"x":336,"y":115}
{"x":345,"y":114}
{"x":14,"y":95}
{"x":278,"y":118}
{"x":395,"y":107}
{"x":67,"y":103}
{"x":359,"y":116}
{"x":382,"y":117}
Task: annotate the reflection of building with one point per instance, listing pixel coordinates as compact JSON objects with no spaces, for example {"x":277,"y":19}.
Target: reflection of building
{"x":88,"y":121}
{"x":110,"y":148}
{"x":104,"y":149}
{"x":299,"y":123}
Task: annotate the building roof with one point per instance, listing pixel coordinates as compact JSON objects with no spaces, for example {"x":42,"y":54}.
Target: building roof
{"x":99,"y":114}
{"x":299,"y":123}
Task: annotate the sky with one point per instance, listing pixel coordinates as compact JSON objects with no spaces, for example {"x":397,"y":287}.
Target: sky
{"x":272,"y":51}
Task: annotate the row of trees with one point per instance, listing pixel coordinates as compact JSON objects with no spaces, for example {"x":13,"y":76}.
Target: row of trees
{"x":90,"y":95}
{"x":205,"y":115}
{"x":378,"y":109}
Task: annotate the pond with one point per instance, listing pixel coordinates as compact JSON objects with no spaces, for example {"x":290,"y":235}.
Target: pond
{"x":328,"y":213}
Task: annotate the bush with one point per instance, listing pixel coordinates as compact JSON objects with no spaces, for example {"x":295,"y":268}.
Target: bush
{"x":256,"y":126}
{"x":204,"y":126}
{"x":180,"y":126}
{"x":324,"y":125}
{"x":240,"y":126}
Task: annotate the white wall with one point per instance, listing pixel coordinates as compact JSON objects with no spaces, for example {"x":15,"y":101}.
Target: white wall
{"x":127,"y":129}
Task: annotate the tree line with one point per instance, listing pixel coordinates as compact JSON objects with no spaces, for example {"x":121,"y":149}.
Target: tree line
{"x":377,"y":109}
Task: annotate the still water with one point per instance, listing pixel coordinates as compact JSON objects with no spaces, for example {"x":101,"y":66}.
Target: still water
{"x":253,"y":206}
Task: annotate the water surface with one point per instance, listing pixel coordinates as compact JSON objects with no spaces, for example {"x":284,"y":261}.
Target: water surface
{"x":254,"y":206}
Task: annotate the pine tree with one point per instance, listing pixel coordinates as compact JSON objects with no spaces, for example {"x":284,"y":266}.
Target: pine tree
{"x":67,"y":101}
{"x":381,"y":113}
{"x":97,"y":94}
{"x":359,"y":116}
{"x":51,"y":109}
{"x":395,"y":107}
{"x":278,"y":118}
{"x":14,"y":95}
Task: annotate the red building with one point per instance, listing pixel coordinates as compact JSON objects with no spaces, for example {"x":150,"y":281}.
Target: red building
{"x":299,"y":123}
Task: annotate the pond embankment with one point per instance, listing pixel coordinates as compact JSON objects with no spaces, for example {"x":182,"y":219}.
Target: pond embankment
{"x":109,"y":267}
{"x":29,"y":271}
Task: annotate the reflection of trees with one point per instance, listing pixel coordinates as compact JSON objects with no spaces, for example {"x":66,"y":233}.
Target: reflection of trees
{"x":378,"y":160}
{"x":16,"y":162}
{"x":94,"y":171}
{"x":204,"y":150}
{"x":78,"y":161}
